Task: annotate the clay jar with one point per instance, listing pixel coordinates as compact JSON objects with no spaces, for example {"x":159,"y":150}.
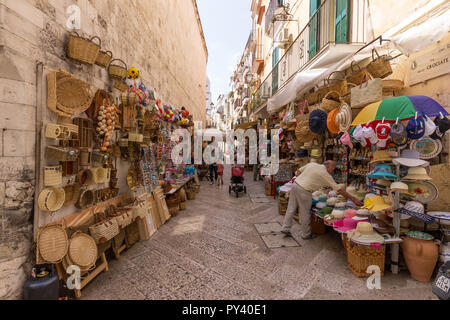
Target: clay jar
{"x":421,"y":257}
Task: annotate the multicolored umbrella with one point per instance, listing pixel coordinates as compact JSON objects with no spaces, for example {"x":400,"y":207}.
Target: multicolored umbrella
{"x":400,"y":108}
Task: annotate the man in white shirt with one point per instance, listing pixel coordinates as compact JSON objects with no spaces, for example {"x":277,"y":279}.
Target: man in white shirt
{"x":310,"y":178}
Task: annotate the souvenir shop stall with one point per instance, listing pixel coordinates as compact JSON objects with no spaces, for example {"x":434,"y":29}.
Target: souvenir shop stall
{"x":106,"y":177}
{"x":390,"y":155}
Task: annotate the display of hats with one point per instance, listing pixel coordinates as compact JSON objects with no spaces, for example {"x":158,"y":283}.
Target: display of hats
{"x":364,"y":233}
{"x":350,"y":213}
{"x":332,"y":194}
{"x":316,"y":153}
{"x":423,"y":191}
{"x":416,"y":209}
{"x":442,"y":126}
{"x":318,"y":121}
{"x":316,"y":195}
{"x":381,"y":156}
{"x":72,"y":193}
{"x":323,"y":198}
{"x":442,"y":217}
{"x":302,"y":131}
{"x":410,"y":158}
{"x":398,"y":134}
{"x":416,"y":128}
{"x":344,"y":117}
{"x":358,"y":135}
{"x":417,"y":173}
{"x":332,"y":124}
{"x":375,"y":204}
{"x":340,"y":205}
{"x":382,"y":130}
{"x":383,"y":171}
{"x":430,"y":127}
{"x":338,"y":214}
{"x":51,"y":199}
{"x":346,"y":140}
{"x":427,"y":148}
{"x":345,"y":225}
{"x":324,"y":212}
{"x":331,"y":202}
{"x":400,"y":187}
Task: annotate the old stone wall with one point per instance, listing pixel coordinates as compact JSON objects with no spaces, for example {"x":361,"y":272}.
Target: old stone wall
{"x":162,"y":38}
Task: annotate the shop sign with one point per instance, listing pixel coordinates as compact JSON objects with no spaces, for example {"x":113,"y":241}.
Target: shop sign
{"x":430,"y":65}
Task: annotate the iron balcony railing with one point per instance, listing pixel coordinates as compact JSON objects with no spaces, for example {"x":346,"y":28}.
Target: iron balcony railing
{"x":330,"y":24}
{"x":273,"y":6}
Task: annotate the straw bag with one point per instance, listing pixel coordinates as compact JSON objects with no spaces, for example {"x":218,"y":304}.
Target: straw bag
{"x":86,"y":177}
{"x":67,"y":95}
{"x":86,"y":199}
{"x":124,"y":217}
{"x":329,"y":104}
{"x":51,"y":199}
{"x":368,"y":92}
{"x":183,"y":196}
{"x":61,"y":154}
{"x":52,"y":176}
{"x":103,"y":58}
{"x":105,"y":229}
{"x":53,"y":131}
{"x":358,"y":75}
{"x":83,"y":250}
{"x":72,"y":193}
{"x":82,"y":49}
{"x":140,"y":209}
{"x":117,"y":71}
{"x":120,"y":85}
{"x":52,"y":243}
{"x":380,"y":67}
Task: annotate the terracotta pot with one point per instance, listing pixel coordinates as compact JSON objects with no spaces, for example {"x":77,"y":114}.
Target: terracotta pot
{"x":421,"y":257}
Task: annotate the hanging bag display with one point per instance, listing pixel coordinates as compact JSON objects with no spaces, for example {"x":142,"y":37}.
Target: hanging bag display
{"x":116,"y":71}
{"x":368,"y":92}
{"x":105,"y":229}
{"x":103,"y":58}
{"x":380,"y":67}
{"x":83,"y":50}
{"x":52,"y":176}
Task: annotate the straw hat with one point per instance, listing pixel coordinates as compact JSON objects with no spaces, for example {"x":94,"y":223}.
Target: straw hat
{"x":51,"y":199}
{"x":410,"y":158}
{"x":72,"y":193}
{"x":316,"y":153}
{"x":401,"y":187}
{"x":303,"y":132}
{"x":344,"y":117}
{"x":417,"y":173}
{"x":376,"y":203}
{"x":83,"y":250}
{"x":381,"y":155}
{"x":364,"y":233}
{"x":332,"y":124}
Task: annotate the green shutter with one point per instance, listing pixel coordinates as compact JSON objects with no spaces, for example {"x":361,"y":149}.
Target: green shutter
{"x":275,"y":59}
{"x":314,"y":28}
{"x":342,"y":21}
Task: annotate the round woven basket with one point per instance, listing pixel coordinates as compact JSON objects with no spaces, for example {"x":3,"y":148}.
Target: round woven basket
{"x":86,"y":199}
{"x":51,"y":199}
{"x":303,"y":133}
{"x":53,"y":243}
{"x":82,"y":250}
{"x":86,"y":177}
{"x":103,"y":58}
{"x":72,"y":193}
{"x":117,"y":71}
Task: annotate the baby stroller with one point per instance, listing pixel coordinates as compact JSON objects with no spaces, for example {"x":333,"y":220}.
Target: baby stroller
{"x":237,"y":181}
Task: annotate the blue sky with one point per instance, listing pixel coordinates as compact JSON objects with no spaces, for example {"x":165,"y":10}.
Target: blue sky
{"x":227,"y":25}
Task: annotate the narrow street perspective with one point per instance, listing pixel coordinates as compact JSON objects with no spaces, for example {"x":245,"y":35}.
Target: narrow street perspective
{"x":224,"y":158}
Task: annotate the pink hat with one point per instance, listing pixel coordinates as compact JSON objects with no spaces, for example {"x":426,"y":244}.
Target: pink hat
{"x":345,"y":225}
{"x":346,"y":140}
{"x":350,"y":213}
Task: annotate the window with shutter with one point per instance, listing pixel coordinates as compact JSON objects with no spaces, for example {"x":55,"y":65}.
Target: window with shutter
{"x":342,"y":21}
{"x":314,"y":28}
{"x":275,"y":59}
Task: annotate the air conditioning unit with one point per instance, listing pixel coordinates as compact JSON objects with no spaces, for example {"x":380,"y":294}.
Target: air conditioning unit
{"x":286,"y":39}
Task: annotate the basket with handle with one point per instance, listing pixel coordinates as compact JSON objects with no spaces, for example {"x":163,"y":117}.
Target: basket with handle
{"x":367,"y":92}
{"x":140,"y":209}
{"x":82,"y":49}
{"x":86,"y":177}
{"x":83,"y":250}
{"x":105,"y":229}
{"x":52,"y":176}
{"x":103,"y":58}
{"x":86,"y":199}
{"x":358,"y":74}
{"x":380,"y":67}
{"x":72,"y":193}
{"x":329,"y":104}
{"x":53,"y":131}
{"x":360,"y":257}
{"x":345,"y":95}
{"x":117,"y":71}
{"x":52,"y":243}
{"x":120,"y":85}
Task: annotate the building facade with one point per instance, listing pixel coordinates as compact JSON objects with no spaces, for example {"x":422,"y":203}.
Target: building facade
{"x":163,"y":39}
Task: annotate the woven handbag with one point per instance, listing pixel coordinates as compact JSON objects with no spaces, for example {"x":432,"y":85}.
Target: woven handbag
{"x":380,"y":67}
{"x":117,"y":71}
{"x":104,"y":230}
{"x":123,"y":216}
{"x":368,"y":92}
{"x":82,"y":49}
{"x":72,"y":193}
{"x":52,"y":243}
{"x":120,"y":85}
{"x":329,"y":104}
{"x":358,"y":74}
{"x":140,"y":209}
{"x":52,"y":176}
{"x":103,"y":58}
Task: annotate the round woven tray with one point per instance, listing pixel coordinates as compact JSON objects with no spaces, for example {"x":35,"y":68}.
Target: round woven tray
{"x":83,"y":250}
{"x":53,"y":243}
{"x":51,"y":199}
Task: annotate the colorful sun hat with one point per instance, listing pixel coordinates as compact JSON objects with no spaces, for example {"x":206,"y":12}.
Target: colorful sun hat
{"x":338,"y":214}
{"x":332,"y":124}
{"x":398,"y":133}
{"x":410,"y":158}
{"x":423,"y":191}
{"x":416,"y":209}
{"x":323,"y":198}
{"x":318,"y":121}
{"x":416,"y":128}
{"x":364,"y":233}
{"x":332,"y":194}
{"x":331,"y":202}
{"x":350,"y":213}
{"x":375,"y":204}
{"x":358,"y":135}
{"x":345,"y":225}
{"x":383,"y":171}
{"x":417,"y":173}
{"x":381,"y":155}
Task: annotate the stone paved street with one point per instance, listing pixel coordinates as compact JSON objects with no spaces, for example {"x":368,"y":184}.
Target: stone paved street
{"x":212,"y":251}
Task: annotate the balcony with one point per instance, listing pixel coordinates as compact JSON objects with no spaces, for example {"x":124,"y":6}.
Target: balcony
{"x":335,"y":29}
{"x":273,"y":6}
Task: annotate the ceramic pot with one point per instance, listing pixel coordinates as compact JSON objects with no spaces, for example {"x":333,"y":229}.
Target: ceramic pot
{"x":421,"y":257}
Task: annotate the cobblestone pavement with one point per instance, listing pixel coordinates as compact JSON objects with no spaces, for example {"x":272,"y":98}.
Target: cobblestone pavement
{"x":212,"y":251}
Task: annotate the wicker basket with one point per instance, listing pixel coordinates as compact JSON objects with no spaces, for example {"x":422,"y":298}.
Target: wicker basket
{"x":53,"y":131}
{"x":123,"y":216}
{"x":120,"y":85}
{"x":136,"y":137}
{"x":282,"y":208}
{"x":85,"y":158}
{"x":361,"y":257}
{"x":104,"y":230}
{"x":61,"y":154}
{"x":117,"y":71}
{"x":82,"y":250}
{"x":52,"y":243}
{"x":129,"y":99}
{"x":52,"y":176}
{"x":86,"y":199}
{"x":103,"y":58}
{"x":191,"y":194}
{"x":72,"y":194}
{"x":51,"y":199}
{"x":183,"y":205}
{"x":182,"y":195}
{"x":328,"y":104}
{"x":82,"y":49}
{"x":86,"y":177}
{"x":380,"y":67}
{"x":140,"y":210}
{"x":174,"y":211}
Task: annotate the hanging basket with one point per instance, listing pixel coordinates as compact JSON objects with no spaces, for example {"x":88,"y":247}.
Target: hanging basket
{"x":72,"y":193}
{"x":53,"y":131}
{"x":103,"y":58}
{"x":118,"y":71}
{"x":82,"y":49}
{"x":380,"y":67}
{"x":120,"y":85}
{"x":328,"y":104}
{"x":86,"y":199}
{"x":52,"y":243}
{"x":83,"y":250}
{"x":86,"y":177}
{"x":52,"y":176}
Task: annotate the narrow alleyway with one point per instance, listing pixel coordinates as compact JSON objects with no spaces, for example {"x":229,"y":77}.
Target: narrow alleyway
{"x":212,"y":251}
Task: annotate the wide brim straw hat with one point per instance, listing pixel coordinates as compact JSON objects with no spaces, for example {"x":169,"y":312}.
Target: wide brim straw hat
{"x":332,"y":124}
{"x":51,"y":199}
{"x":344,"y":117}
{"x":381,"y":156}
{"x":417,"y":173}
{"x":303,"y":133}
{"x":364,"y":233}
{"x":72,"y":193}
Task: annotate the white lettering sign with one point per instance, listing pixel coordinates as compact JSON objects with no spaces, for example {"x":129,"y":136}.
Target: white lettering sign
{"x":430,"y":65}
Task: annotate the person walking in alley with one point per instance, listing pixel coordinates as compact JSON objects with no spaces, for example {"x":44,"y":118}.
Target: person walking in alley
{"x":219,"y":175}
{"x":310,"y":178}
{"x":213,"y":173}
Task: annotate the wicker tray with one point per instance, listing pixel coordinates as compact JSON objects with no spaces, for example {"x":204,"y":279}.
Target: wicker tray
{"x":52,"y":243}
{"x":360,"y":257}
